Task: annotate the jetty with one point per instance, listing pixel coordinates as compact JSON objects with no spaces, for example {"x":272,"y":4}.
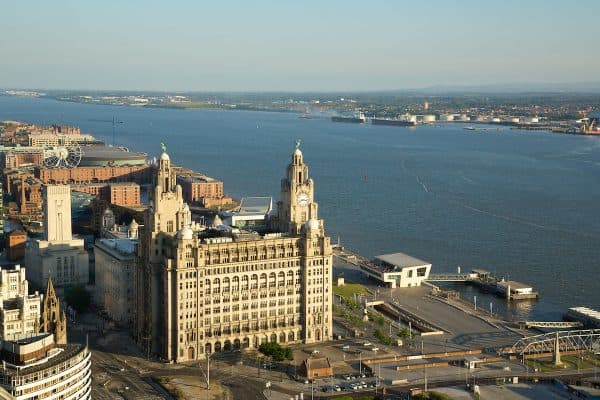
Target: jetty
{"x":511,"y":290}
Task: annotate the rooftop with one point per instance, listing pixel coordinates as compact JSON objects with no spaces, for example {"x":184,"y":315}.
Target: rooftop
{"x":401,"y":260}
{"x":119,"y":247}
{"x":514,"y":285}
{"x":586,"y":311}
{"x":255,"y":205}
{"x":317,"y":363}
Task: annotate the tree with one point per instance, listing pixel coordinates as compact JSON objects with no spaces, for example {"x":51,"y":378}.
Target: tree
{"x":273,"y":349}
{"x":78,"y":298}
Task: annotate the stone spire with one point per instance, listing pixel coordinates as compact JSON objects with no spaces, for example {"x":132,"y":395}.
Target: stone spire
{"x":53,"y":320}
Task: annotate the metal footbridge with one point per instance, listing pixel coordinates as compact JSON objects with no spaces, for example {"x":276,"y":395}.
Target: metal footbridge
{"x":551,"y":324}
{"x":449,"y":277}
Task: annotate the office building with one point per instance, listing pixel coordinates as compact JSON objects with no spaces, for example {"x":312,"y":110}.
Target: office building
{"x":115,"y":260}
{"x":200,"y":290}
{"x":19,"y":311}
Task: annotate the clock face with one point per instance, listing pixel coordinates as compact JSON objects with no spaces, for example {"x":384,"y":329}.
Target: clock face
{"x":302,"y":199}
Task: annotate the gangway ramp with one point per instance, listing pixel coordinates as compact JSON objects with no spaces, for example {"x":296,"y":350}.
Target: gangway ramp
{"x":550,"y":324}
{"x":449,"y":277}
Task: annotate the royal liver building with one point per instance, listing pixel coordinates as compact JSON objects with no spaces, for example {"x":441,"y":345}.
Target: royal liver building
{"x":202,"y":289}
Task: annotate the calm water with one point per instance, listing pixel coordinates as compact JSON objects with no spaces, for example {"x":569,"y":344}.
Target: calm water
{"x":521,"y":204}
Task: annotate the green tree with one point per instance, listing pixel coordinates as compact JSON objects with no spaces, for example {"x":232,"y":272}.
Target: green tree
{"x":78,"y":298}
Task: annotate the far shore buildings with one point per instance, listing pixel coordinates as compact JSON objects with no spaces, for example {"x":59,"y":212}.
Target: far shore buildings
{"x":200,"y":290}
{"x":58,"y":255}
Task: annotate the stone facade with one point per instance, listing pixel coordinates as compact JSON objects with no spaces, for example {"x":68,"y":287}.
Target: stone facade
{"x":199,"y":290}
{"x":58,"y":256}
{"x":19,"y":311}
{"x":53,"y":319}
{"x":115,"y":259}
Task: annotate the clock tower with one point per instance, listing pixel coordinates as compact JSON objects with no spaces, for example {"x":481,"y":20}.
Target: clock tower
{"x":297,"y":204}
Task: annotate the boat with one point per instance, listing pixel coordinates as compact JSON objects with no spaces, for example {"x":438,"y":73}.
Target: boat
{"x":393,"y":122}
{"x":356,"y":119}
{"x":470,"y":128}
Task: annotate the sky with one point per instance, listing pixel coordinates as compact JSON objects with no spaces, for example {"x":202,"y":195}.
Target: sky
{"x":296,"y":45}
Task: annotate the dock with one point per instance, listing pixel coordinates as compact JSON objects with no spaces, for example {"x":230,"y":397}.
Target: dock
{"x":511,"y":290}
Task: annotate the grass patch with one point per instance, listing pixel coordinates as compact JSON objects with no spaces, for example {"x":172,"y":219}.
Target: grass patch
{"x":348,"y":291}
{"x":166,"y":384}
{"x":577,"y":362}
{"x":382,"y":337}
{"x":544,"y":366}
{"x":432,"y":396}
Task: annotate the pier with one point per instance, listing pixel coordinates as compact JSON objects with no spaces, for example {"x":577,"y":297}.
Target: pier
{"x":511,"y":290}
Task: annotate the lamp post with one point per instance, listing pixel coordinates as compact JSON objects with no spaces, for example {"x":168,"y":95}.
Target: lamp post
{"x":208,"y":372}
{"x":360,"y":363}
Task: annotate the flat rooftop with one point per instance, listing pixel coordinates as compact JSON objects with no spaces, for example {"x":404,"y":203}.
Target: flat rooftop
{"x":401,"y":260}
{"x":255,"y":205}
{"x":588,"y":312}
{"x":514,"y":285}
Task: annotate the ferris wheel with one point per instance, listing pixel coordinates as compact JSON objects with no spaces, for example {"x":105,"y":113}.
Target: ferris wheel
{"x":62,"y":157}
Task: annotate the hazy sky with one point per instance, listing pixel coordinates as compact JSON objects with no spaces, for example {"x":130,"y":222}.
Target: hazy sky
{"x":295,"y":45}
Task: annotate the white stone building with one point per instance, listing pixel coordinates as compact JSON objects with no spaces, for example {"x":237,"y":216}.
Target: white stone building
{"x":115,"y":259}
{"x":58,"y":255}
{"x":19,"y":311}
{"x":397,"y":270}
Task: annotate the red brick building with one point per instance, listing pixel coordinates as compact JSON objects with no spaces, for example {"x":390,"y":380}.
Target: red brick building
{"x":134,"y":173}
{"x":197,"y":187}
{"x":124,"y":194}
{"x":15,"y":245}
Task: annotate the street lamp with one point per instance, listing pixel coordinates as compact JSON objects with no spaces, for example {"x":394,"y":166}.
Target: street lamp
{"x":360,"y":362}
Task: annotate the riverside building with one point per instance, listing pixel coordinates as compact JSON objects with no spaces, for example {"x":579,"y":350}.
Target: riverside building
{"x":200,"y":290}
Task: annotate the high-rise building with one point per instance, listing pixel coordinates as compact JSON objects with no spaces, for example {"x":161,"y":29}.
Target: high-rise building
{"x":36,"y":367}
{"x":199,"y":289}
{"x":58,"y":255}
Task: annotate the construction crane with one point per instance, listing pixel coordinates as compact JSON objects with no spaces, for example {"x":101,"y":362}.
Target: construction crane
{"x":114,"y":123}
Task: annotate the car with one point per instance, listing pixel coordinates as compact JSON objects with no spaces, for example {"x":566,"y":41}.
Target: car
{"x":346,"y":347}
{"x":347,"y":377}
{"x":363,"y":384}
{"x":367,"y":344}
{"x":337,"y":388}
